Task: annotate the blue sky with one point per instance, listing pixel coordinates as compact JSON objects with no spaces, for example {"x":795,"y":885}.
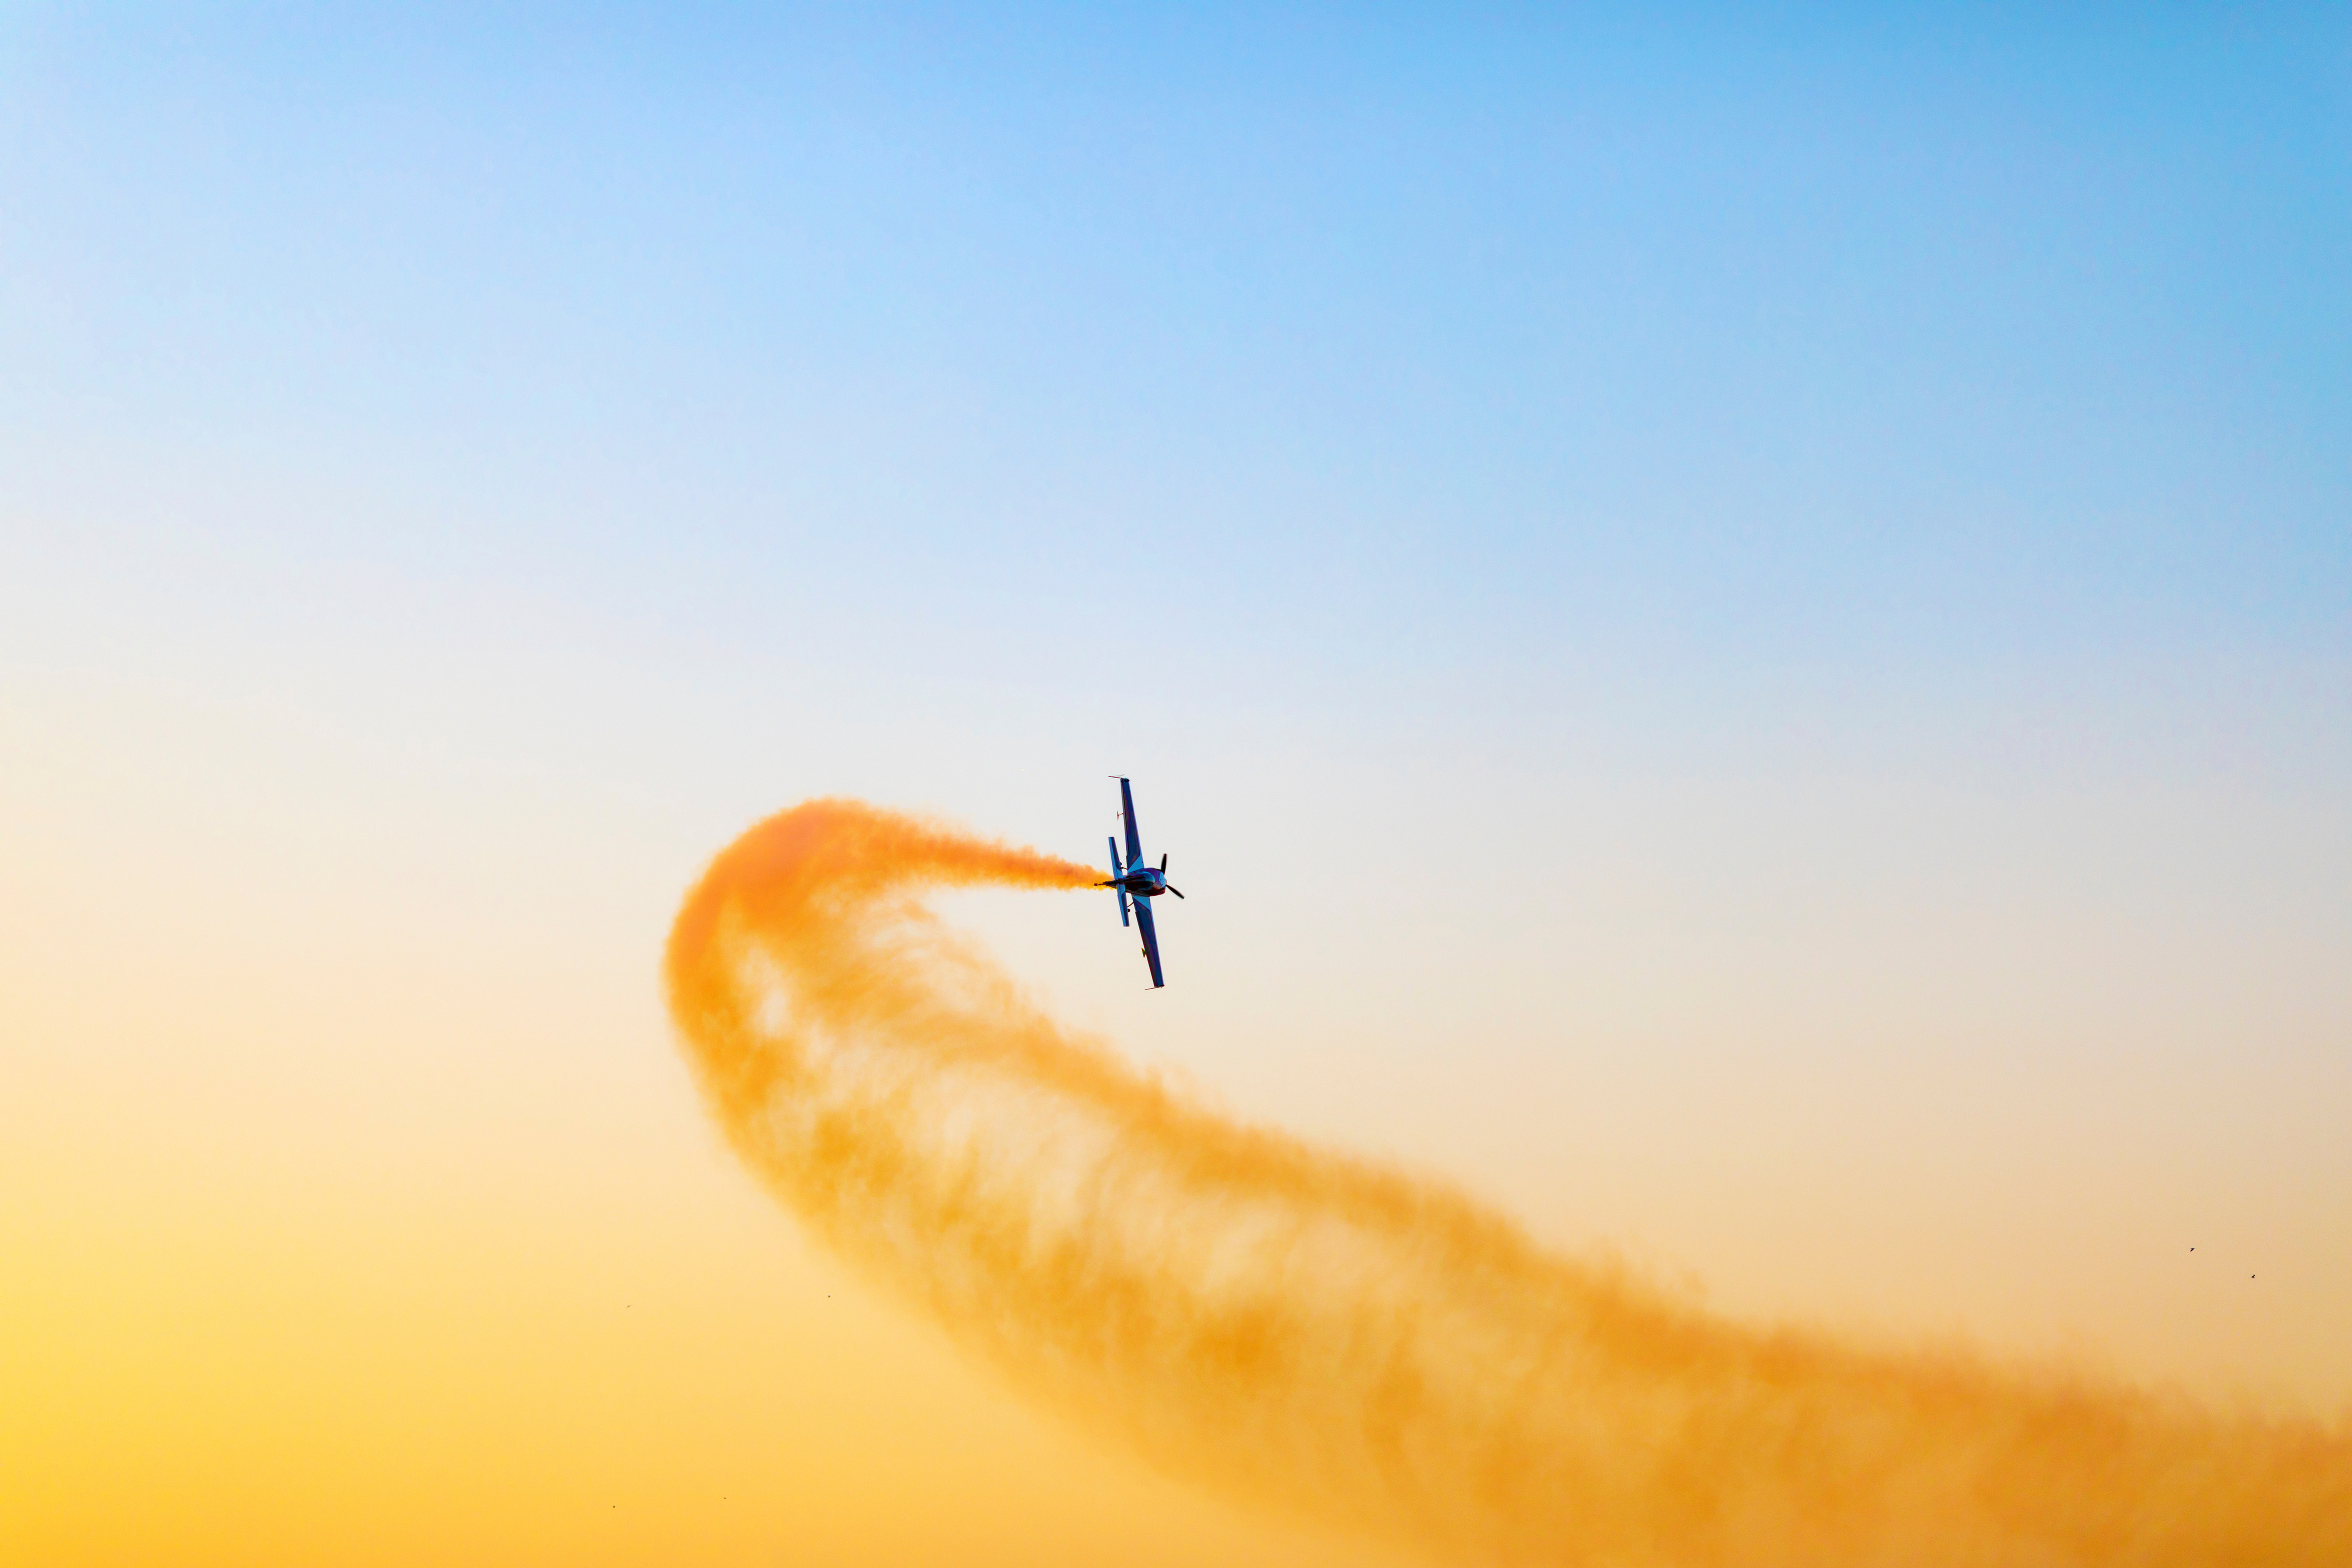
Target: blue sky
{"x":1496,"y":340}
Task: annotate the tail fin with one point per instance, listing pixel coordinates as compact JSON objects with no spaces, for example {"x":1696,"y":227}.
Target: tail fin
{"x":1117,"y":871}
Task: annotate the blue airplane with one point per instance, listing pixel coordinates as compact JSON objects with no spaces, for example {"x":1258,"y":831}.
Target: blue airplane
{"x":1135,"y":877}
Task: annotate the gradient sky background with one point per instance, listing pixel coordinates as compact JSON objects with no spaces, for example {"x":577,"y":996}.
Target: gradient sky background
{"x":1740,"y":630}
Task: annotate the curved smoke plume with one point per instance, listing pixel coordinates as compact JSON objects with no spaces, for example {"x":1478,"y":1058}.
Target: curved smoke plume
{"x":1365,"y":1343}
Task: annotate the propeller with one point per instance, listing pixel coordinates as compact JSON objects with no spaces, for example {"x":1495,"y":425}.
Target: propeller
{"x":1164,"y":874}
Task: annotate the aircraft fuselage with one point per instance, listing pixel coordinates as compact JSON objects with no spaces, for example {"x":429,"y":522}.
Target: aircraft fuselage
{"x":1137,"y":882}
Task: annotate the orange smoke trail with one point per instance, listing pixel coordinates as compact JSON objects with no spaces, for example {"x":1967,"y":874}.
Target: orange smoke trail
{"x":1366,"y":1344}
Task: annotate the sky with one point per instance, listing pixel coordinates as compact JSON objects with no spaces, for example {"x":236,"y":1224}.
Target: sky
{"x":1739,"y":625}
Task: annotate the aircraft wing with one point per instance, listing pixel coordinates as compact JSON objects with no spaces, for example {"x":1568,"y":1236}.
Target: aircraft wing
{"x":1150,"y":934}
{"x":1134,"y":839}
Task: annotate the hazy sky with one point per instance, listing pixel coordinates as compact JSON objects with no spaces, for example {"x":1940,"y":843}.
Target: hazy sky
{"x":1739,"y":627}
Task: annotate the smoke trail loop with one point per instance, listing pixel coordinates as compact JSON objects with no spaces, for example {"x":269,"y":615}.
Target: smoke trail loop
{"x":1334,"y":1334}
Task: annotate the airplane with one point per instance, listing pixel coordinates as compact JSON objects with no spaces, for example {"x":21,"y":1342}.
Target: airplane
{"x":1133,"y":876}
